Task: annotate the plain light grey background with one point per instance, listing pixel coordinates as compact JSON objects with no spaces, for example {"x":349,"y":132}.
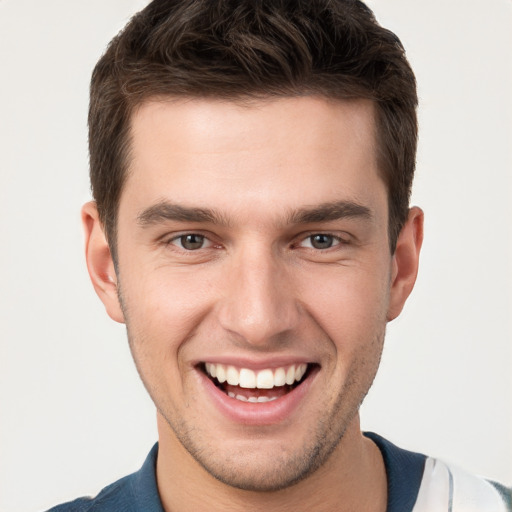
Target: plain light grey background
{"x":74,"y":415}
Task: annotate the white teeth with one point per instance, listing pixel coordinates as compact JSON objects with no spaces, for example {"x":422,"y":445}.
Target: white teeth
{"x":266,"y":399}
{"x":265,"y":379}
{"x":300,"y":371}
{"x":253,"y":399}
{"x":249,"y":379}
{"x":220,"y":373}
{"x":280,"y":377}
{"x":232,"y":376}
{"x":290,"y":375}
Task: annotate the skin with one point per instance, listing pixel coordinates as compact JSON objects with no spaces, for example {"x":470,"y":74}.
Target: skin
{"x":257,"y":291}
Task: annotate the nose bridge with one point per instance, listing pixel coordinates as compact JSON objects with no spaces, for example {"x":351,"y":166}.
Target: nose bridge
{"x":259,"y":305}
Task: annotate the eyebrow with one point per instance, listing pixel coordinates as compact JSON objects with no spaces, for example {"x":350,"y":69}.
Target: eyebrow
{"x":165,"y":211}
{"x":325,"y":212}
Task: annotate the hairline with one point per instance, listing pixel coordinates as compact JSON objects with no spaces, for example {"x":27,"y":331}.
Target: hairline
{"x":245,"y":100}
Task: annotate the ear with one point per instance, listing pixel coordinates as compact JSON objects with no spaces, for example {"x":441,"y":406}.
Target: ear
{"x":99,"y":262}
{"x":405,"y":262}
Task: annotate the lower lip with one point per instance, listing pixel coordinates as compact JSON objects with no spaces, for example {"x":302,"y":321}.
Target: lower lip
{"x":263,"y":413}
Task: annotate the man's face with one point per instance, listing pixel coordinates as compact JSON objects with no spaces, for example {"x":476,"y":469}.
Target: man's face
{"x":253,"y":245}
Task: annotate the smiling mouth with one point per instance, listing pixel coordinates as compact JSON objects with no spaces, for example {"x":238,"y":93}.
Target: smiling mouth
{"x":260,"y":386}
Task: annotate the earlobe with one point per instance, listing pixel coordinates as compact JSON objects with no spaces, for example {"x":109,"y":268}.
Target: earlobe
{"x":405,"y":262}
{"x":99,"y":262}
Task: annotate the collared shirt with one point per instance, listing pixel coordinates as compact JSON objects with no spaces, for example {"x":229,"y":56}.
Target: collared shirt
{"x":416,"y":483}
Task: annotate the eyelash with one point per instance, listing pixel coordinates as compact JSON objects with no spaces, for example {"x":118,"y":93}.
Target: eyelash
{"x":180,"y":237}
{"x":335,"y":241}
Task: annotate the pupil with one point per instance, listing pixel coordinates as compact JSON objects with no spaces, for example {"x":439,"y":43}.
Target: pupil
{"x":192,"y":242}
{"x":321,"y":241}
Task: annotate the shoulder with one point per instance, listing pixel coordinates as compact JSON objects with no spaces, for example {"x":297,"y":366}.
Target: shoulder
{"x":133,"y":493}
{"x":417,"y":483}
{"x":116,"y":496}
{"x":447,"y":487}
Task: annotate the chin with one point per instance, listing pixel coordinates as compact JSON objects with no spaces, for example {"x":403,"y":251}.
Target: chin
{"x":260,"y":465}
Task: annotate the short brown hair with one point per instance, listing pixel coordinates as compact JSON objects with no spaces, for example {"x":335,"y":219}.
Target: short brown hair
{"x":235,"y":49}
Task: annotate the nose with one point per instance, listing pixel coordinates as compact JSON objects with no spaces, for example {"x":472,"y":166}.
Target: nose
{"x":259,"y":305}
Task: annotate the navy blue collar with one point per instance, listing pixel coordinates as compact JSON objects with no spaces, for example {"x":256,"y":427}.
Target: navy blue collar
{"x":144,"y":487}
{"x":404,"y":471}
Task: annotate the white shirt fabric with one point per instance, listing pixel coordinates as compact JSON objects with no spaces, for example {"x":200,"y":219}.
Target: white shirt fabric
{"x":446,"y":488}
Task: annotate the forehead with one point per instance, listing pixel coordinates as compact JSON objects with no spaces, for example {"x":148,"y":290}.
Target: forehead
{"x":218,"y":125}
{"x":286,"y":152}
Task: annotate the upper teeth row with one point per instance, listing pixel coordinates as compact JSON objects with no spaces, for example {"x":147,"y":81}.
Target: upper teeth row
{"x":263,"y":379}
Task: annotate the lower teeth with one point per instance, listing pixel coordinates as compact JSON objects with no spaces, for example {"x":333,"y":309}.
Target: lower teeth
{"x":252,"y":399}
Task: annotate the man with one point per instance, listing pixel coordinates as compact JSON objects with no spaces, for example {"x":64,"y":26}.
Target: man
{"x":251,"y":165}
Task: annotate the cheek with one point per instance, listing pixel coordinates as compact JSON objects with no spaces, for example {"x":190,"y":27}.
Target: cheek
{"x":162,"y":313}
{"x":349,"y":304}
{"x":162,"y":309}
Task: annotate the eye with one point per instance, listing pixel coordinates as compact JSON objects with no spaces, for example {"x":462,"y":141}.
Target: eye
{"x":191,"y":242}
{"x":320,"y":241}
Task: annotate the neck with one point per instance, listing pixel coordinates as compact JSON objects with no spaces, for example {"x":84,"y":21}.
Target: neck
{"x":352,"y":479}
